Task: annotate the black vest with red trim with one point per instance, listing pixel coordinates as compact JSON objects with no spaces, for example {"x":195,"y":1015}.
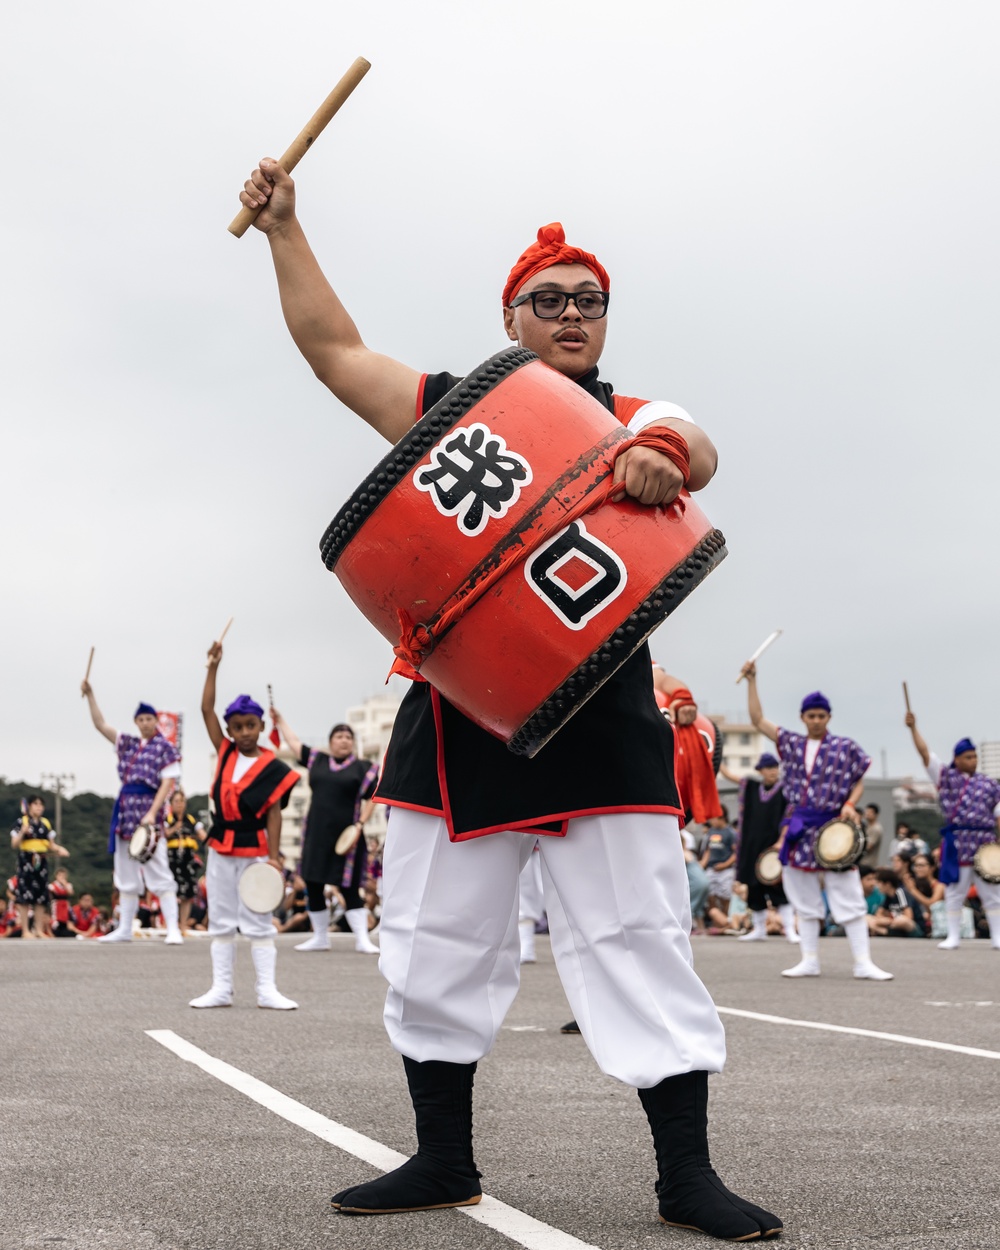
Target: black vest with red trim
{"x":615,"y":755}
{"x":239,"y":821}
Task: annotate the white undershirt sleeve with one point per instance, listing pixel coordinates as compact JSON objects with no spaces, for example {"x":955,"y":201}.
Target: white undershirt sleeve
{"x":934,"y":768}
{"x":655,"y":413}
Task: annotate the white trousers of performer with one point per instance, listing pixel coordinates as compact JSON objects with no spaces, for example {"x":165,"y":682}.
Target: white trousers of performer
{"x":955,"y":894}
{"x":227,"y":912}
{"x":616,"y":895}
{"x":532,"y":900}
{"x":131,"y":877}
{"x":804,"y":890}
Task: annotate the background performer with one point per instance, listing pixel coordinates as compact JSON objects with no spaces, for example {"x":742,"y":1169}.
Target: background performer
{"x":449,"y":932}
{"x":762,"y":807}
{"x":970,"y":802}
{"x":342,"y":788}
{"x":823,"y":778}
{"x":184,"y":838}
{"x":148,"y":766}
{"x":34,"y":839}
{"x":250,"y":788}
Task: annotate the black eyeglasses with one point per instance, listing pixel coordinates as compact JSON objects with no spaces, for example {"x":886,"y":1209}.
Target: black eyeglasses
{"x":551,"y":304}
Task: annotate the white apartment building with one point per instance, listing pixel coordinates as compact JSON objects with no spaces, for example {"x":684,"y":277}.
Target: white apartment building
{"x":742,"y":745}
{"x":989,"y":759}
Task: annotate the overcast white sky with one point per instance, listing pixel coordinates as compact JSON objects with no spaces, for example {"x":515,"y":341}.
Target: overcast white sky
{"x":797,"y":204}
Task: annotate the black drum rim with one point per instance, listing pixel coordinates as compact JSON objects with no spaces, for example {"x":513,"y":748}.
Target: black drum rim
{"x":414,"y":445}
{"x":589,"y":676}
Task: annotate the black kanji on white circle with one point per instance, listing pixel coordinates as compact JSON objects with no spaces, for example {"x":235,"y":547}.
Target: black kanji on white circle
{"x":473,"y":476}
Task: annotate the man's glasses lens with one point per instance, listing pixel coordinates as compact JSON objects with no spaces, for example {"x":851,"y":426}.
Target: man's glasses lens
{"x":550,"y":304}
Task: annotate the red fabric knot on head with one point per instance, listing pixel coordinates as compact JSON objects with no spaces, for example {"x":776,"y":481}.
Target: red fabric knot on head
{"x":551,"y":248}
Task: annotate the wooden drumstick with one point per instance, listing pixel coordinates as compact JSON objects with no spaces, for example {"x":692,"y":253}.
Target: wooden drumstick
{"x":224,"y":631}
{"x":308,"y":136}
{"x":760,"y":650}
{"x":86,"y":676}
{"x":906,"y":696}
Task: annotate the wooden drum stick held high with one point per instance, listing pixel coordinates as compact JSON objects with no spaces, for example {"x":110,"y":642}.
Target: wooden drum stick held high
{"x":86,"y":676}
{"x":906,"y":697}
{"x":308,"y":136}
{"x":760,"y":650}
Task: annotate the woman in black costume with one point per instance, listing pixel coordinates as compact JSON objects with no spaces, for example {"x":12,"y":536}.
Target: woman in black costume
{"x":342,"y":787}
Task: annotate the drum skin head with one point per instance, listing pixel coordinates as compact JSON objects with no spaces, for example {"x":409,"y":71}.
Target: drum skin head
{"x":840,"y":845}
{"x":261,"y":888}
{"x":987,"y":862}
{"x":142,"y":844}
{"x":768,"y":868}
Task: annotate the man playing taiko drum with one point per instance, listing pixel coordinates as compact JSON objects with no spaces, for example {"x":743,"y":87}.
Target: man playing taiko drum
{"x":822,"y":778}
{"x":614,"y":875}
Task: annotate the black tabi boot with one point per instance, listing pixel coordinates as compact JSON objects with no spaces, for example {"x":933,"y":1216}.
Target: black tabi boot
{"x":442,"y":1173}
{"x":690,"y":1193}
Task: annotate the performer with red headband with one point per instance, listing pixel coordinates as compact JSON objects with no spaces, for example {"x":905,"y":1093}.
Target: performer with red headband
{"x":148,"y":766}
{"x":823,"y":778}
{"x":970,"y":802}
{"x":250,"y":788}
{"x":600,"y":798}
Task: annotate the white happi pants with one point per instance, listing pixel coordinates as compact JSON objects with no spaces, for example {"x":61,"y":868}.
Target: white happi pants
{"x":131,"y":877}
{"x":617,"y":899}
{"x":226,"y":910}
{"x":532,"y":901}
{"x":954,"y":895}
{"x":843,"y":891}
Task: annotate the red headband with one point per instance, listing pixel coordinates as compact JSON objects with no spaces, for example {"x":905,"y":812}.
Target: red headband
{"x":551,"y":249}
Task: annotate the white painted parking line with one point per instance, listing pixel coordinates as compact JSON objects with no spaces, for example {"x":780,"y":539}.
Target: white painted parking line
{"x":509,"y":1221}
{"x":902,"y":1038}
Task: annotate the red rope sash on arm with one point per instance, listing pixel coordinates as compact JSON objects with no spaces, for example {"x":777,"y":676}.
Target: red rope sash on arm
{"x":417,"y":640}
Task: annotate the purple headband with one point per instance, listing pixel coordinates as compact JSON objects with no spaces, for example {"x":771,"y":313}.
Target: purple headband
{"x":243,"y":705}
{"x":144,"y":709}
{"x":767,"y":761}
{"x":815,"y":700}
{"x":966,"y":744}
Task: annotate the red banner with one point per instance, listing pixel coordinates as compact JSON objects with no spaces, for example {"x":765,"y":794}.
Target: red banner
{"x":171,"y":725}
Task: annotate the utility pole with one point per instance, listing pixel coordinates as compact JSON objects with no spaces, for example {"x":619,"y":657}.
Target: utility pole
{"x":59,"y":784}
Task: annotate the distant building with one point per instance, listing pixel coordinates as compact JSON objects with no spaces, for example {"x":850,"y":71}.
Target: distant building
{"x":989,"y":759}
{"x":742,"y":745}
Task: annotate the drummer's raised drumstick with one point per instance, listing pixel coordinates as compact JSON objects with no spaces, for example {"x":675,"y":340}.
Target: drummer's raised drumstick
{"x":86,"y":676}
{"x":906,"y":696}
{"x":308,"y":136}
{"x":224,"y":631}
{"x":760,"y":650}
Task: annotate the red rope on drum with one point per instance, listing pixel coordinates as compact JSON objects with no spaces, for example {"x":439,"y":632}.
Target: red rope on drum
{"x":417,"y":640}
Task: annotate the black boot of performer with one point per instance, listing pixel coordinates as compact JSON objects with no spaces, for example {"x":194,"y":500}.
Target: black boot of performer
{"x":442,"y":1173}
{"x":690,"y":1193}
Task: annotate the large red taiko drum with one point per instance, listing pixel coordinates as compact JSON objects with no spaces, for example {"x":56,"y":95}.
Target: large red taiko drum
{"x":431,"y":547}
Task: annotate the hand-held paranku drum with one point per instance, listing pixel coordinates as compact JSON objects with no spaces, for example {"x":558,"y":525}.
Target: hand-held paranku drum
{"x":261,"y":887}
{"x":486,"y":486}
{"x":986,"y":862}
{"x":143,"y":842}
{"x":768,"y":867}
{"x":346,"y":839}
{"x":839,"y":845}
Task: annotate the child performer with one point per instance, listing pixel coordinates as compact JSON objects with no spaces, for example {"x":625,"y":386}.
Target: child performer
{"x":250,"y":788}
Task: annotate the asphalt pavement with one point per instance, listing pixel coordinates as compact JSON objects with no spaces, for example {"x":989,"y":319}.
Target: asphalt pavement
{"x":109,"y":1141}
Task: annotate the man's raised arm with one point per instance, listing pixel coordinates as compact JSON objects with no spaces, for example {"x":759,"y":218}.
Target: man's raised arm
{"x":759,"y":721}
{"x":382,"y":391}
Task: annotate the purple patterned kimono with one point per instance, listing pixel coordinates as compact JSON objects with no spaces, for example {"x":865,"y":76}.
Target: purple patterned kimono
{"x":141,"y":766}
{"x":817,"y":796}
{"x":967,"y":802}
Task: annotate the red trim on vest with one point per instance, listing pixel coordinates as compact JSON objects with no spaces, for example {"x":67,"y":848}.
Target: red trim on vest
{"x":230,"y":792}
{"x":420,"y":396}
{"x":626,"y":407}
